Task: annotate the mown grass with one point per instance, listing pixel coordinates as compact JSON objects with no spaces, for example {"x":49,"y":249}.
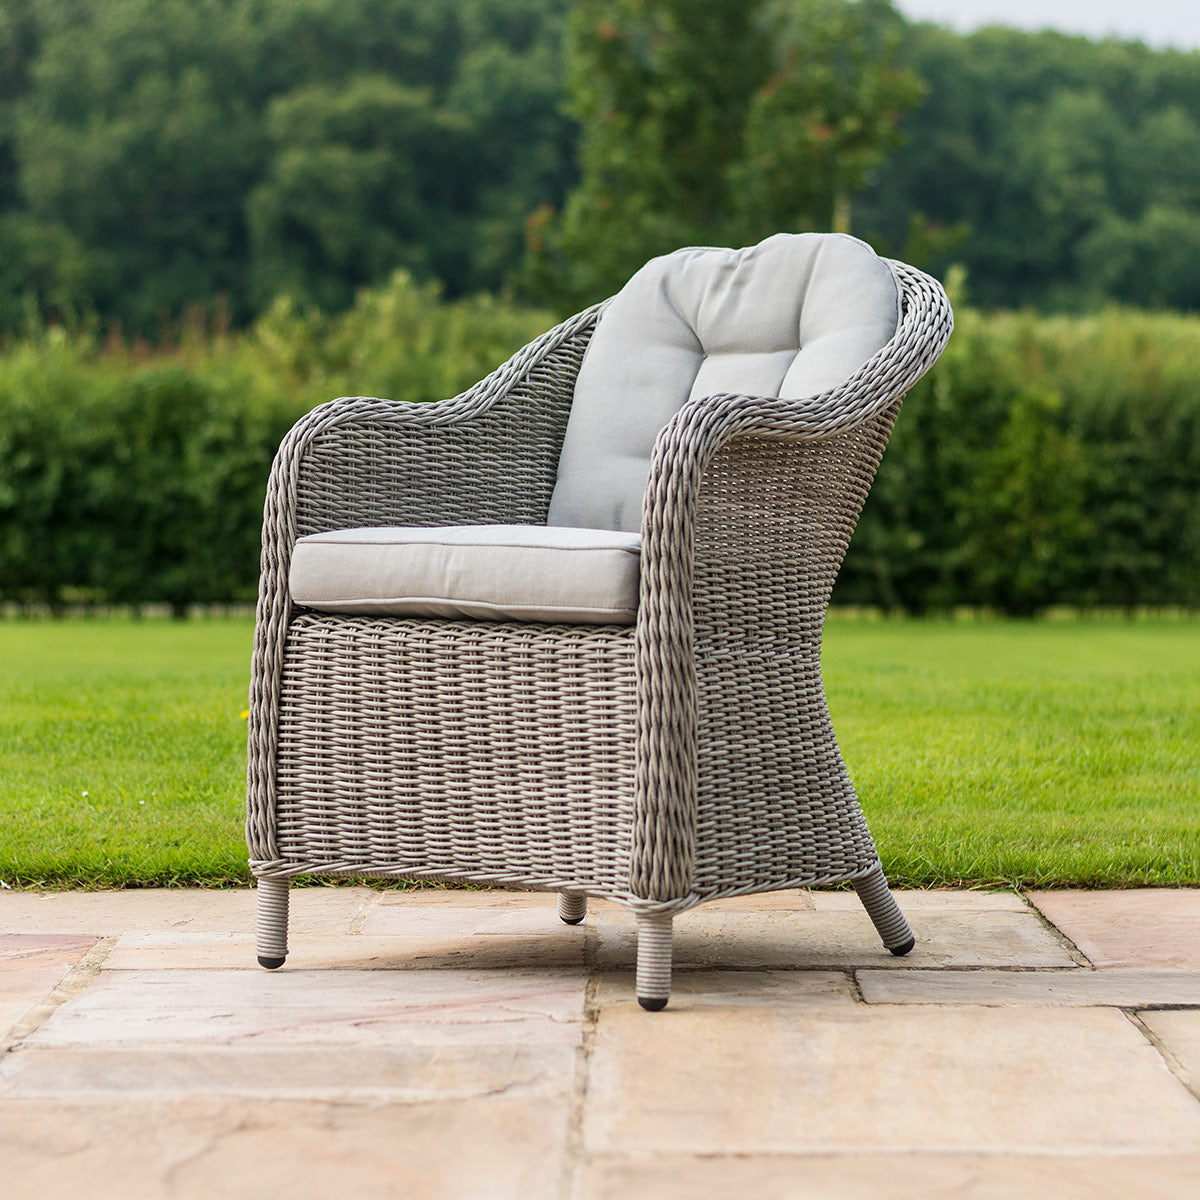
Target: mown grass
{"x":1036,"y":754}
{"x":1039,"y":754}
{"x":123,"y":751}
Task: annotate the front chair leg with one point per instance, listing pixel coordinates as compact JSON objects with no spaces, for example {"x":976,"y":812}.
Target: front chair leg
{"x":653,"y":961}
{"x":272,"y":922}
{"x":883,"y":910}
{"x":572,"y":907}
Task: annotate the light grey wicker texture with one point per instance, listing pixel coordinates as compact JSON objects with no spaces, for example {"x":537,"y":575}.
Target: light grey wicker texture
{"x":685,"y":758}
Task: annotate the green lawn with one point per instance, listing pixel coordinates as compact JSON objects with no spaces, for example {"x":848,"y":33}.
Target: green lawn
{"x":1062,"y":752}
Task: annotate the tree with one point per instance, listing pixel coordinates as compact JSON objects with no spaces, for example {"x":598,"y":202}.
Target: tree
{"x":362,"y":181}
{"x":1045,"y":146}
{"x":157,"y":155}
{"x":715,"y":121}
{"x":824,"y":118}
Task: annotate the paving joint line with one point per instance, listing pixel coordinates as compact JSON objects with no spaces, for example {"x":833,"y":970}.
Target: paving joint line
{"x":1164,"y":1051}
{"x":573,"y":1152}
{"x":81,"y":976}
{"x":1073,"y":950}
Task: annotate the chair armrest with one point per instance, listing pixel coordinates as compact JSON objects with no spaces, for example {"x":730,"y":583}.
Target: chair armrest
{"x":748,"y":512}
{"x":359,"y":460}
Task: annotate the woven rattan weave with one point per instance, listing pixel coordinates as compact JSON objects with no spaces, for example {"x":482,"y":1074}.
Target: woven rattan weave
{"x":686,"y":758}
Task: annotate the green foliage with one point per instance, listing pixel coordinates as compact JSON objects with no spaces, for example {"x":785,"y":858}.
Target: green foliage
{"x":361,"y":181}
{"x":133,"y":478}
{"x":1075,"y":166}
{"x":681,"y":145}
{"x":824,"y":118}
{"x":157,"y":155}
{"x":161,"y":155}
{"x":1044,"y":461}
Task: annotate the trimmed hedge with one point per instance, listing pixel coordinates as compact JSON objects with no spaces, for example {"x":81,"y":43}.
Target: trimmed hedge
{"x":1045,"y":461}
{"x":130,"y":476}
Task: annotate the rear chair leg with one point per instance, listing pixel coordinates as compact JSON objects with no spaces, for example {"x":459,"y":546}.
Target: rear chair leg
{"x":881,"y":907}
{"x":572,"y":907}
{"x":653,"y":961}
{"x":272,"y":922}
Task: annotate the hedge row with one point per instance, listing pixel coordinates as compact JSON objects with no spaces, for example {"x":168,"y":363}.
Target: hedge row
{"x":1045,"y":461}
{"x":131,"y":475}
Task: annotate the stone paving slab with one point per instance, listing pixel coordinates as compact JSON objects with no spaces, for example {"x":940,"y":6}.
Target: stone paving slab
{"x":468,"y":1044}
{"x":563,"y":946}
{"x":936,"y":900}
{"x":499,"y":1148}
{"x":1119,"y":987}
{"x":890,"y":1177}
{"x":32,"y":965}
{"x":419,"y":1069}
{"x":799,"y":1077}
{"x":312,"y":910}
{"x":842,"y":937}
{"x":10,"y":1015}
{"x":318,"y":1007}
{"x":1150,"y":927}
{"x":1179,"y":1033}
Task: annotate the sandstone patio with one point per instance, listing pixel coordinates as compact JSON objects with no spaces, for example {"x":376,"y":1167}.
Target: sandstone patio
{"x":468,"y":1044}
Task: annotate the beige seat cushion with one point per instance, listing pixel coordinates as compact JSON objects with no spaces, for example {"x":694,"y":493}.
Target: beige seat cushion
{"x":498,"y":572}
{"x":793,"y":316}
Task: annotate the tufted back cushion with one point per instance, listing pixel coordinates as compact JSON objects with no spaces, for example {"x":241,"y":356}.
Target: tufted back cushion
{"x":792,"y":316}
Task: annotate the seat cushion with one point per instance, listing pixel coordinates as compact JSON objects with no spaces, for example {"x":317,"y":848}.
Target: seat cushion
{"x":793,"y":316}
{"x":498,"y":572}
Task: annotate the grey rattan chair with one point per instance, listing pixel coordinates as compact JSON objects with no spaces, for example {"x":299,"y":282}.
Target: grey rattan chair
{"x":682,"y":757}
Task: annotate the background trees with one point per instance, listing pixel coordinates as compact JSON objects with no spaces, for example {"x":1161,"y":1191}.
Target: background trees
{"x":161,"y":154}
{"x":157,"y":154}
{"x":1067,"y":161}
{"x":716,"y":122}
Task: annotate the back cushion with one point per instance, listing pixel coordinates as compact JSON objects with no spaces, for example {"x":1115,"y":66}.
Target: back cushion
{"x":792,"y":316}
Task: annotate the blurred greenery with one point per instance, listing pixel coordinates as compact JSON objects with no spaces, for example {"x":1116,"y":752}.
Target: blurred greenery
{"x":1045,"y":461}
{"x":157,"y":155}
{"x":682,"y":146}
{"x":132,"y":476}
{"x":216,"y":214}
{"x":160,"y":154}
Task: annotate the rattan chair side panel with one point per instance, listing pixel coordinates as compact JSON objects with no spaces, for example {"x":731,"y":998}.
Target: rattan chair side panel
{"x":431,"y":478}
{"x":470,"y":750}
{"x":852,"y":420}
{"x":774,"y":801}
{"x":499,"y":467}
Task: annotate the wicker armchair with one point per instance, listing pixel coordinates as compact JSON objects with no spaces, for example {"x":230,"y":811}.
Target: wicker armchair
{"x":681,"y":758}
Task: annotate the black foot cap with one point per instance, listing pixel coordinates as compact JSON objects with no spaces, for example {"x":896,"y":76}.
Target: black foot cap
{"x":572,"y":920}
{"x":272,"y":964}
{"x":898,"y":951}
{"x":655,"y":1004}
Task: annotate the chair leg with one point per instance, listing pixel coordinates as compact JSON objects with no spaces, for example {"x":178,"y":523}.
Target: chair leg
{"x":572,"y":907}
{"x":653,"y":961}
{"x":883,"y":910}
{"x":272,"y":922}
